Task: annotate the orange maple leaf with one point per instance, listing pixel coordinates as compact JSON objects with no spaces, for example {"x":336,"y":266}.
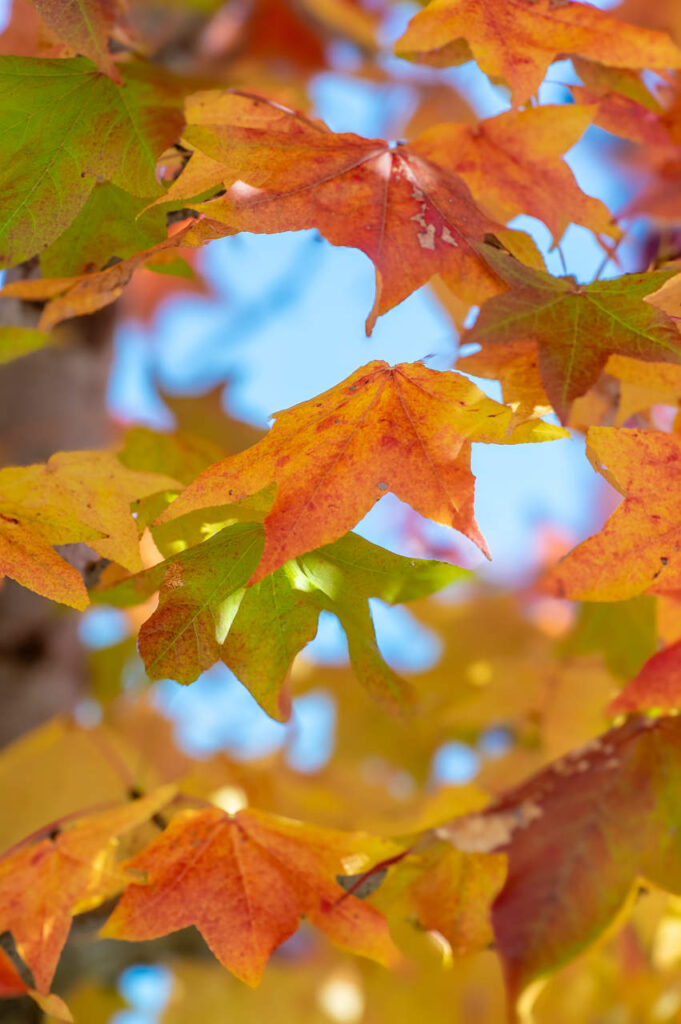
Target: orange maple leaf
{"x":12,"y":985}
{"x":516,"y":40}
{"x":27,"y":35}
{"x":44,"y":884}
{"x":403,"y":206}
{"x":657,"y":685}
{"x":638,"y":548}
{"x":405,"y":429}
{"x":245,"y":881}
{"x":511,"y":163}
{"x":624,"y":106}
{"x":85,"y":25}
{"x":448,"y":891}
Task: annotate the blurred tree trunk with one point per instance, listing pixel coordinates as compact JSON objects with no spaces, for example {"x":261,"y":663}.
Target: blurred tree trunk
{"x":52,"y":400}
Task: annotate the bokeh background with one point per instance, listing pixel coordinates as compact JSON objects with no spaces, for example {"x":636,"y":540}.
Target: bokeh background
{"x":283,"y":319}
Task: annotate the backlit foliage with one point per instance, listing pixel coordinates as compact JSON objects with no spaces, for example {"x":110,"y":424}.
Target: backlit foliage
{"x":136,"y":133}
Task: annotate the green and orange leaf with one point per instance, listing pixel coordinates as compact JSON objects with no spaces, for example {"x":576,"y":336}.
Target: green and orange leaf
{"x":207,"y":612}
{"x":66,"y":126}
{"x":576,"y":327}
{"x":405,"y":429}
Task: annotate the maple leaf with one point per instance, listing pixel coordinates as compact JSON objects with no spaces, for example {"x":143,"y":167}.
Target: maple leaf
{"x":75,"y":496}
{"x":85,"y":25}
{"x":85,"y":293}
{"x":516,"y":40}
{"x":26,"y":556}
{"x":56,"y":770}
{"x":665,"y":15}
{"x":112,"y":224}
{"x":576,"y":327}
{"x":657,"y":685}
{"x":206,"y":612}
{"x":624,"y":105}
{"x":516,"y":366}
{"x":405,"y":429}
{"x":637,"y":549}
{"x":642,"y":387}
{"x":245,"y":881}
{"x":282,"y":32}
{"x":42,"y":885}
{"x":12,"y":985}
{"x":577,"y":836}
{"x":453,"y":896}
{"x":447,"y":891}
{"x":410,"y":214}
{"x":512,"y":163}
{"x":66,"y":126}
{"x":27,"y":35}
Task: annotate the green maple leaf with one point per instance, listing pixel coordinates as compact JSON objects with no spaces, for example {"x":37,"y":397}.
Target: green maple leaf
{"x":576,"y":327}
{"x":65,"y":126}
{"x":112,"y":223}
{"x":206,"y":612}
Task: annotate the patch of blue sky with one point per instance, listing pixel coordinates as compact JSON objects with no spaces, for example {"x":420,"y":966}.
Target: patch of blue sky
{"x":455,"y":763}
{"x":102,"y":626}
{"x":522,"y":487}
{"x":405,"y":644}
{"x":495,"y":742}
{"x":312,"y":731}
{"x":132,"y":395}
{"x":287,"y":352}
{"x":146,"y":987}
{"x":217,"y":712}
{"x":351,"y":105}
{"x":330,"y":646}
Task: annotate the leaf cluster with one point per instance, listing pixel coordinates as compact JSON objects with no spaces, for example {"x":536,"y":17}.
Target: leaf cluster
{"x":136,"y":134}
